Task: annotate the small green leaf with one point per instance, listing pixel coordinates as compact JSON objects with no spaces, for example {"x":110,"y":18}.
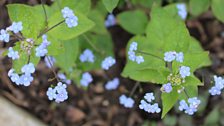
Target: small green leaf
{"x":168,"y":101}
{"x":218,"y":9}
{"x":98,"y":18}
{"x":110,"y":4}
{"x":134,"y":22}
{"x":66,"y":60}
{"x":198,"y":7}
{"x":62,"y":32}
{"x":32,"y":19}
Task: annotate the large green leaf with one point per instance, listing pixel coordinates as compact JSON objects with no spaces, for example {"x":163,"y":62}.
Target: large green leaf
{"x":134,"y":22}
{"x":198,"y":7}
{"x":217,"y":9}
{"x":82,"y":6}
{"x":62,"y":32}
{"x":32,"y":19}
{"x":66,"y":60}
{"x":110,"y":4}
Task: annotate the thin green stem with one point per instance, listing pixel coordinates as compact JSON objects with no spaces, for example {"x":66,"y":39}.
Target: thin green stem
{"x":45,"y":12}
{"x":146,"y":53}
{"x":47,"y":30}
{"x":92,"y":45}
{"x":186,"y":94}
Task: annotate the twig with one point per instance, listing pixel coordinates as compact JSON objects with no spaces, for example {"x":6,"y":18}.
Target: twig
{"x":134,"y":88}
{"x":51,"y":67}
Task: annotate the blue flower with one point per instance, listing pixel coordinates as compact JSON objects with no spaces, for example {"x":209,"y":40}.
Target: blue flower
{"x":13,"y":54}
{"x":108,"y":62}
{"x":67,"y":12}
{"x":71,"y":21}
{"x":110,"y":21}
{"x":16,"y":27}
{"x":86,"y":79}
{"x":127,"y":102}
{"x":51,"y":93}
{"x":149,"y":97}
{"x":26,"y":79}
{"x":169,"y":56}
{"x":180,"y":57}
{"x":28,"y":68}
{"x":131,"y":55}
{"x":133,"y":46}
{"x":139,"y":59}
{"x":219,"y":82}
{"x":87,"y":56}
{"x":182,"y":10}
{"x":4,"y":35}
{"x":63,"y":78}
{"x":167,"y":88}
{"x":113,"y":84}
{"x":184,"y":71}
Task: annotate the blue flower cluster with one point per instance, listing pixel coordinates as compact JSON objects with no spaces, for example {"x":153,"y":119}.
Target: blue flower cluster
{"x":127,"y":102}
{"x":87,"y":56}
{"x":113,"y":84}
{"x":175,"y":79}
{"x":59,"y":93}
{"x":41,"y":50}
{"x":145,"y":104}
{"x":13,"y":54}
{"x":132,"y":54}
{"x":86,"y":79}
{"x":217,"y":88}
{"x":108,"y":62}
{"x":191,"y":107}
{"x":70,"y":19}
{"x":24,"y":79}
{"x":16,"y":27}
{"x":182,"y":10}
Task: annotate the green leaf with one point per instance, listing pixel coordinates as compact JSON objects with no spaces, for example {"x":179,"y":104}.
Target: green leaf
{"x":168,"y":101}
{"x":98,"y":18}
{"x":56,"y":47}
{"x":110,"y":4}
{"x":66,"y":60}
{"x":170,"y":120}
{"x":134,"y":22}
{"x":217,"y":9}
{"x":198,"y":7}
{"x":62,"y":32}
{"x":32,"y":19}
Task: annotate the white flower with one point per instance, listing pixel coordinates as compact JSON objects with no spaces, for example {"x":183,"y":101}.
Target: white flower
{"x":13,"y":54}
{"x":16,"y":27}
{"x":108,"y":62}
{"x":182,"y":10}
{"x":184,"y":71}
